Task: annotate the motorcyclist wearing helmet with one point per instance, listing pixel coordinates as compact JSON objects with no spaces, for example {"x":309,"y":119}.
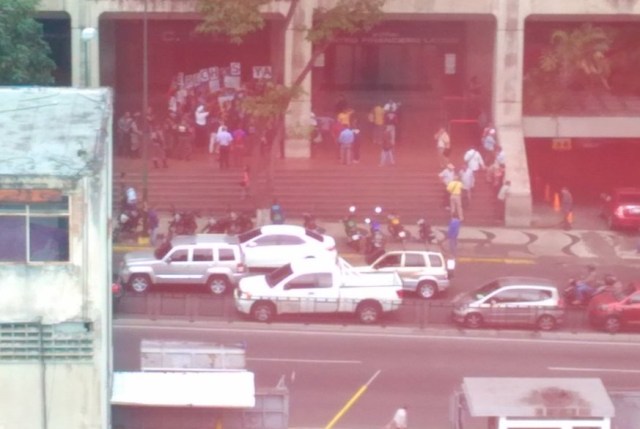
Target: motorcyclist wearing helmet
{"x":586,"y":286}
{"x":613,"y":285}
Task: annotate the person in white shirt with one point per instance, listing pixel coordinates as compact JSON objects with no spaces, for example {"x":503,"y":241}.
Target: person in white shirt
{"x":400,"y":419}
{"x":468,"y":182}
{"x":200,"y":116}
{"x":474,"y":160}
{"x":223,"y":140}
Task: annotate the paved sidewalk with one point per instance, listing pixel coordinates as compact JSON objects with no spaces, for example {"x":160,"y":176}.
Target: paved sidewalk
{"x":494,"y":244}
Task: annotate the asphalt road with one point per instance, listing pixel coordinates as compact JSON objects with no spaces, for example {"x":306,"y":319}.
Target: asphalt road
{"x":193,"y":303}
{"x":323,"y":367}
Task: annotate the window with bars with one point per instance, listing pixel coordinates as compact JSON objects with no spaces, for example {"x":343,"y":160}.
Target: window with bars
{"x":64,"y":342}
{"x":34,"y":231}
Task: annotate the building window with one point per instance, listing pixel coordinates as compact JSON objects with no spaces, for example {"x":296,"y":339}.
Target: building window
{"x":34,"y":231}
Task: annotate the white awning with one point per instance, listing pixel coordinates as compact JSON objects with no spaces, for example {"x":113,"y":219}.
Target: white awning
{"x":232,"y":389}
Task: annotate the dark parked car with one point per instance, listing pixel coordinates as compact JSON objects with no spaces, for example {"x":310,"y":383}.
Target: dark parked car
{"x":612,"y":311}
{"x":621,"y":208}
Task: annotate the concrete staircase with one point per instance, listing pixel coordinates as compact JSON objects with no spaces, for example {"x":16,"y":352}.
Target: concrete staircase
{"x":320,"y":185}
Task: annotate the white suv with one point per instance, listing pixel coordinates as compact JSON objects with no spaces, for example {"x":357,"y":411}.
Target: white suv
{"x":212,"y":260}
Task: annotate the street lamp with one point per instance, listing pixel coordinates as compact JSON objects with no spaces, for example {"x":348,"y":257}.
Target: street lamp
{"x":87,"y":35}
{"x":145,"y":103}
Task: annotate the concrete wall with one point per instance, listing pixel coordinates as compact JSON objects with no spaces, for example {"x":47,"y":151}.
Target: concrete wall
{"x":65,"y":393}
{"x":75,"y":159}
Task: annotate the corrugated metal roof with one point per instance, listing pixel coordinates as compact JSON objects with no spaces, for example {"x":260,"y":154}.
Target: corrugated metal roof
{"x":537,"y":397}
{"x":51,"y":131}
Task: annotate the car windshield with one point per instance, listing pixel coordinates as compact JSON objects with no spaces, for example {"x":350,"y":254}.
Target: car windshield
{"x":246,"y":236}
{"x":629,"y":198}
{"x":276,"y":276}
{"x":314,"y":235}
{"x":486,"y":289}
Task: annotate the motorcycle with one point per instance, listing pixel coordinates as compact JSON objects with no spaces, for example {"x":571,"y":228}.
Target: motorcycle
{"x":237,"y":223}
{"x":117,"y":292}
{"x":425,"y":232}
{"x":215,"y":226}
{"x":234,"y":223}
{"x":579,"y":293}
{"x":183,"y":223}
{"x":309,"y":222}
{"x":128,"y":222}
{"x":396,"y":229}
{"x":374,"y":242}
{"x":352,"y":231}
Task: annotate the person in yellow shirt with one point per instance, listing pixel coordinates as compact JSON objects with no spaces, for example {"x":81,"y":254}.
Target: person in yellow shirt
{"x":376,"y":117}
{"x":455,"y":196}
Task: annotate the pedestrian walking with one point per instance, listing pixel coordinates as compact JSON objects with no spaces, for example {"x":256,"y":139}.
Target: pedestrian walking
{"x":502,"y":196}
{"x":276,"y":213}
{"x":386,"y":150}
{"x":453,"y":231}
{"x":345,"y":140}
{"x":446,"y":176}
{"x":123,"y":140}
{"x":443,"y":144}
{"x":153,"y":222}
{"x":566,"y":205}
{"x":468,"y":182}
{"x":223,"y":140}
{"x":245,"y":183}
{"x":376,"y":118}
{"x":455,"y":196}
{"x":399,"y":420}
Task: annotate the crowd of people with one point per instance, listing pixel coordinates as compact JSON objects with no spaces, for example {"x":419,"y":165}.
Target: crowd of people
{"x":195,"y":121}
{"x":486,"y":157}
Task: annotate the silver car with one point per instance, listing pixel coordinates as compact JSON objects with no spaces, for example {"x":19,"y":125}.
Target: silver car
{"x":212,"y":260}
{"x":511,"y":301}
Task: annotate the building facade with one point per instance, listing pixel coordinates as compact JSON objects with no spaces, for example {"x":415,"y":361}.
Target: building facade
{"x":424,"y":52}
{"x":55,"y":258}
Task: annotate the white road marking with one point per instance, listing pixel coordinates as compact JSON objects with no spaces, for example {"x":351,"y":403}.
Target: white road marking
{"x":357,"y":362}
{"x":571,"y":369}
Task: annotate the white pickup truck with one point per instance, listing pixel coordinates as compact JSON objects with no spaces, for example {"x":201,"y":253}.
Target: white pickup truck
{"x":319,"y":286}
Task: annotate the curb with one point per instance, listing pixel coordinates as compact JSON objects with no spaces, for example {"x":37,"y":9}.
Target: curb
{"x":381,"y":330}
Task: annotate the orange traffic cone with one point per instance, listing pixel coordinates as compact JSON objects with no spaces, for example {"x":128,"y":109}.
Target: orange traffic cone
{"x":556,"y":202}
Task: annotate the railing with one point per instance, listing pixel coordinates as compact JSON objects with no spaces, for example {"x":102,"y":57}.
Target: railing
{"x":414,"y":312}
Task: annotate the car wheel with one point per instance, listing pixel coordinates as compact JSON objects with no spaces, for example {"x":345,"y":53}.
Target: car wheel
{"x":612,"y":324}
{"x":546,"y":323}
{"x":140,"y":283}
{"x":473,"y":320}
{"x":218,"y":285}
{"x":427,"y":290}
{"x":369,"y":312}
{"x":263,"y":311}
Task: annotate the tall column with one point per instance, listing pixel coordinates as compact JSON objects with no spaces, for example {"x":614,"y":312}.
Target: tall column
{"x":297,"y":54}
{"x":507,"y":106}
{"x":85,"y":73}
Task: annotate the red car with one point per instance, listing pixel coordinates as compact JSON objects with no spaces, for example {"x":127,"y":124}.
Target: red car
{"x":621,"y":208}
{"x":612,"y":312}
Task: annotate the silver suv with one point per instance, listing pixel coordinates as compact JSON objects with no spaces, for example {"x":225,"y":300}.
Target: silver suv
{"x":214,"y":260}
{"x":422,"y":272}
{"x":511,"y":301}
